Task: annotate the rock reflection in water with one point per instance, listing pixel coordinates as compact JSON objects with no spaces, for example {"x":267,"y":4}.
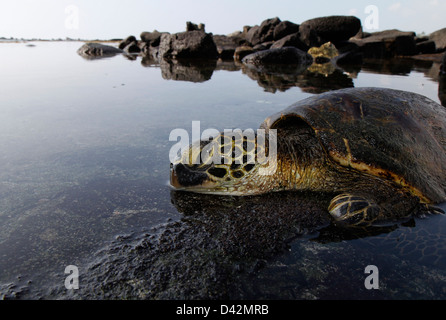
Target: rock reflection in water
{"x":318,"y":79}
{"x":188,"y":70}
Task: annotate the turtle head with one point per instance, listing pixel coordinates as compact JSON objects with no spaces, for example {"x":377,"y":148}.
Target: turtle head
{"x":224,"y":165}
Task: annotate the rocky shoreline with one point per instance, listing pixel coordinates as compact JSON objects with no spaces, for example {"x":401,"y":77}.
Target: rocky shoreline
{"x":344,"y":32}
{"x":281,"y":54}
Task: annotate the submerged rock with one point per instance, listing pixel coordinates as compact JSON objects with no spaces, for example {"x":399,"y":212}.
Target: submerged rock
{"x":97,"y":51}
{"x":286,"y":55}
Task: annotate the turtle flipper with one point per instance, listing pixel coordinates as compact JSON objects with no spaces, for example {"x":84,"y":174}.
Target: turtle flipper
{"x":426,"y":209}
{"x":353,"y":210}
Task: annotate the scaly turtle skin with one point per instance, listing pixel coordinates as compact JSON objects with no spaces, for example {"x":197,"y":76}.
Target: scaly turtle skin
{"x":381,"y":152}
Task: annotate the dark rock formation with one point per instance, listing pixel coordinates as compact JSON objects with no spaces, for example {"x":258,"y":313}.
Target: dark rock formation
{"x":132,"y":47}
{"x":96,"y":51}
{"x":263,"y":46}
{"x":316,"y":32}
{"x":443,"y":65}
{"x":387,"y":44}
{"x":194,"y":27}
{"x":151,"y":38}
{"x":427,"y":46}
{"x":226,"y":45}
{"x":262,"y":33}
{"x":124,"y":43}
{"x":442,"y":82}
{"x":292,"y":40}
{"x":287,"y":56}
{"x":283,"y":29}
{"x":439,"y":37}
{"x":189,"y":44}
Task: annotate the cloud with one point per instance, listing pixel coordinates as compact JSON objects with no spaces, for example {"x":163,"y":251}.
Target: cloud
{"x":395,"y":7}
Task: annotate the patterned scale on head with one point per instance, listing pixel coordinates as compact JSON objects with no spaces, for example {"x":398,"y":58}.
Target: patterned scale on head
{"x":225,"y":164}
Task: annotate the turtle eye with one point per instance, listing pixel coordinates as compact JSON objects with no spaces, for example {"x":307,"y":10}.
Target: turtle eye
{"x":218,"y":172}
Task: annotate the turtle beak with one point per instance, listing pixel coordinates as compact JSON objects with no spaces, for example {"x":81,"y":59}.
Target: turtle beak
{"x":182,"y":178}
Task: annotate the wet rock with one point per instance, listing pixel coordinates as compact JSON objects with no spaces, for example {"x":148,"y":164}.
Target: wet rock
{"x":262,"y":33}
{"x":189,"y":44}
{"x":152,"y":38}
{"x":291,"y":40}
{"x":439,"y":37}
{"x":284,"y":28}
{"x":124,"y":43}
{"x":315,"y":32}
{"x":387,"y":44}
{"x":97,"y":51}
{"x":242,"y":51}
{"x":426,"y":47}
{"x":286,"y":55}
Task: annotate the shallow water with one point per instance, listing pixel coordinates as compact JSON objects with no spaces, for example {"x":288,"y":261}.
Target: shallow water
{"x":84,"y":169}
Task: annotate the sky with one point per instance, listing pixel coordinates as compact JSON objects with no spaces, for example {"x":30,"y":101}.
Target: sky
{"x":108,"y":19}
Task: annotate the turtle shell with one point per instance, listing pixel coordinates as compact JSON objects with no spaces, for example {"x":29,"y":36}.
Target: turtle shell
{"x":397,"y":135}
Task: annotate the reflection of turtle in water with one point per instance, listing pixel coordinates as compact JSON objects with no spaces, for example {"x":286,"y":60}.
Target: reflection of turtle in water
{"x":381,"y":152}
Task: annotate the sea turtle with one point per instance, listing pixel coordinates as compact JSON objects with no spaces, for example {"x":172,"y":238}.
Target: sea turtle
{"x":380,"y":152}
